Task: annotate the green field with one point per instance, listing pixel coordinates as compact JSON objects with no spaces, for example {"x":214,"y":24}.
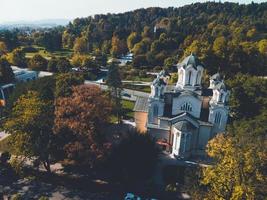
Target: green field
{"x":49,"y":54}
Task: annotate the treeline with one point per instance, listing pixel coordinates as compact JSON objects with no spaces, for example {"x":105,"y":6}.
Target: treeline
{"x":228,"y":35}
{"x":225,"y":35}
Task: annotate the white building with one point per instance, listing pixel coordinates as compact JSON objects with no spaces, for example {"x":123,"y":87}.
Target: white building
{"x":24,"y":75}
{"x":183,"y":118}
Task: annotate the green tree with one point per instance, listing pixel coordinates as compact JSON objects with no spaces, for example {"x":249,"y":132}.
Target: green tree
{"x":6,"y":73}
{"x":38,"y":63}
{"x":220,"y":46}
{"x":248,"y":96}
{"x":132,"y":39}
{"x":115,"y":87}
{"x":52,"y":65}
{"x":30,"y":125}
{"x":65,"y":82}
{"x":262,"y":45}
{"x":17,"y":57}
{"x":63,"y":65}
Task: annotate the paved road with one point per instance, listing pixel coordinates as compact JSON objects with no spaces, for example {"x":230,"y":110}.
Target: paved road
{"x":133,"y":93}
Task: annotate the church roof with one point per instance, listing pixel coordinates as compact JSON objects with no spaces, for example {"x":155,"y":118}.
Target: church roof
{"x":141,"y":104}
{"x":191,"y":60}
{"x":183,"y":125}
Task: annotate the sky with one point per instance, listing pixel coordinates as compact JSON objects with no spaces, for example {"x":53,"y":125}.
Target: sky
{"x":32,"y":10}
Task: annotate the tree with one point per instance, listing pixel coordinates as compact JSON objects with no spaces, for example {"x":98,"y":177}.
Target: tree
{"x":81,"y":45}
{"x":30,"y":125}
{"x":6,"y":73}
{"x":63,"y":65}
{"x":132,"y":39}
{"x":38,"y":63}
{"x":84,"y":114}
{"x":129,"y":163}
{"x":17,"y":57}
{"x":115,"y":87}
{"x":262,"y":45}
{"x":220,"y":46}
{"x":52,"y":65}
{"x":65,"y":82}
{"x":3,"y":48}
{"x":239,"y":171}
{"x":119,"y":47}
{"x":248,"y":96}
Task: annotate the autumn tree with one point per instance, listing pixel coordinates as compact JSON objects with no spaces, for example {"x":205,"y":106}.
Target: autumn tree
{"x":81,"y":45}
{"x":84,"y":114}
{"x":30,"y":125}
{"x":115,"y":87}
{"x":6,"y":73}
{"x":119,"y":46}
{"x":38,"y":63}
{"x":240,"y":163}
{"x":3,"y":48}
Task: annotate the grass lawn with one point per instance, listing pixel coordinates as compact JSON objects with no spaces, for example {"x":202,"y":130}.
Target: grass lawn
{"x":128,"y":113}
{"x":48,"y":54}
{"x":128,"y":107}
{"x":141,"y":88}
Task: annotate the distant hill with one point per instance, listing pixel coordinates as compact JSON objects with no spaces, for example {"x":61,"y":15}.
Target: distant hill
{"x":45,"y":23}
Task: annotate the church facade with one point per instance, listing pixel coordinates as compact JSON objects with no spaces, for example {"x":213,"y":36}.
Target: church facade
{"x":184,"y":117}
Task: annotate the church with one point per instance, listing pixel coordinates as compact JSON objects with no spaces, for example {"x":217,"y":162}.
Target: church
{"x":184,"y":117}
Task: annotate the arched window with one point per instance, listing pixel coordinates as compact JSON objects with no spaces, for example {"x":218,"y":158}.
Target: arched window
{"x":189,"y":77}
{"x":218,"y":117}
{"x":186,"y":107}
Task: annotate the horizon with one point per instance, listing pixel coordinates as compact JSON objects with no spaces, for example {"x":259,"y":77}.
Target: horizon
{"x":23,"y":12}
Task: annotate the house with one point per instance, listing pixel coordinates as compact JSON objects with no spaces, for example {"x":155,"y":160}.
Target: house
{"x":24,"y":75}
{"x":184,"y":117}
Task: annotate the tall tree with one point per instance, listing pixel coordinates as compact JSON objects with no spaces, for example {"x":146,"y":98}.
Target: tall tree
{"x":63,"y":65}
{"x":85,"y":114}
{"x":17,"y":57}
{"x":240,"y":163}
{"x":3,"y":48}
{"x":115,"y":87}
{"x":6,"y":73}
{"x":30,"y":125}
{"x":65,"y":82}
{"x":38,"y":63}
{"x":81,"y":45}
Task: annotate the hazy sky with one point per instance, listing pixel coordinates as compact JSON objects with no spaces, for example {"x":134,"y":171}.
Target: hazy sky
{"x":17,"y":10}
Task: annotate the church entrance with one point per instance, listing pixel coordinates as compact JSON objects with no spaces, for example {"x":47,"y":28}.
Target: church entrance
{"x":181,"y":143}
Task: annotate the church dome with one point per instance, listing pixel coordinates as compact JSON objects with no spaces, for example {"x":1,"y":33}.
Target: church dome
{"x":191,"y":60}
